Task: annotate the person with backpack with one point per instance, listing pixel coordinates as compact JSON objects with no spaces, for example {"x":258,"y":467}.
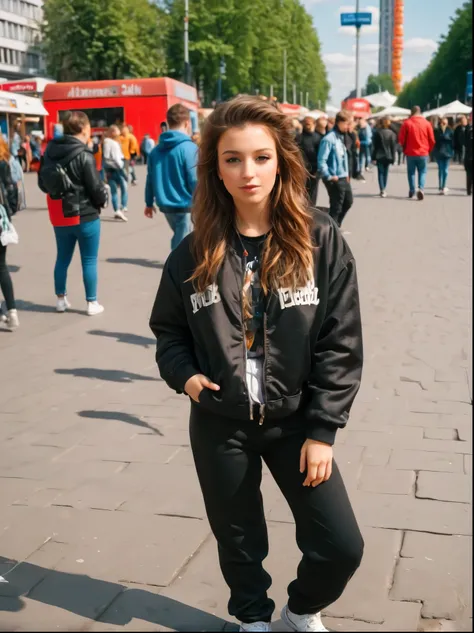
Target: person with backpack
{"x":75,"y":195}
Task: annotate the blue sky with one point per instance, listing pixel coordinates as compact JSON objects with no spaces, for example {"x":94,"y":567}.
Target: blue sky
{"x":425,"y":22}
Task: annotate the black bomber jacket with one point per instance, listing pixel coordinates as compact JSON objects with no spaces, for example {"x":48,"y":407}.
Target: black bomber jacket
{"x":312,"y":335}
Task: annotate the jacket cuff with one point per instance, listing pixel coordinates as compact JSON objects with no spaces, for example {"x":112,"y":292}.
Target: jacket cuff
{"x":181,"y":376}
{"x":321,"y":433}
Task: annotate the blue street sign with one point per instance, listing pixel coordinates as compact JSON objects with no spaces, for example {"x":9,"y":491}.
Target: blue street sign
{"x":469,"y":85}
{"x":356,"y":19}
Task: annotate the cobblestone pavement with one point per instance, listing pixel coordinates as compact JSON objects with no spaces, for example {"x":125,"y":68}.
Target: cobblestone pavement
{"x":102,"y":527}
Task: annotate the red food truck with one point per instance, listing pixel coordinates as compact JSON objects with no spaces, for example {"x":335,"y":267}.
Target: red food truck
{"x":360,"y":108}
{"x":142,"y":103}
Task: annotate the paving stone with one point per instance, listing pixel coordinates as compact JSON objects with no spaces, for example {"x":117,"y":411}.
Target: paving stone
{"x":433,"y":569}
{"x":403,"y":459}
{"x":405,"y":439}
{"x":440,"y":434}
{"x":378,"y":479}
{"x":468,"y":464}
{"x":451,"y":374}
{"x":401,"y":512}
{"x":444,"y":486}
{"x":376,"y":457}
{"x":138,"y":449}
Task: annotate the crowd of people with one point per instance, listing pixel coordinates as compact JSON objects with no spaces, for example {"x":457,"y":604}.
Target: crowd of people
{"x":338,"y":150}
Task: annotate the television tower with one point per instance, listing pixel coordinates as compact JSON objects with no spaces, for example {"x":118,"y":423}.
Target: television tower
{"x":397,"y":45}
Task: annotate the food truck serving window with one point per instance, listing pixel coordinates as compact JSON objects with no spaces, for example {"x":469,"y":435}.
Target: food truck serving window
{"x":100,"y":117}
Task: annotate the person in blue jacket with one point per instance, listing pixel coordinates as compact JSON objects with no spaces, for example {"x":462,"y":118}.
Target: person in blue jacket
{"x":365,"y":138}
{"x":171,"y":176}
{"x":443,"y":151}
{"x":333,"y":165}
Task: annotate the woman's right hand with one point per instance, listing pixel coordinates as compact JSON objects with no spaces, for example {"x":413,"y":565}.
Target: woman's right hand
{"x":196,"y":384}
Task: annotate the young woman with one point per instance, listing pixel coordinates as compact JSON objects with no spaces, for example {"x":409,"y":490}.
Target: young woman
{"x":74,"y":214}
{"x":257,"y":321}
{"x":383,"y":152}
{"x":113,"y":163}
{"x":443,"y":151}
{"x":9,"y":200}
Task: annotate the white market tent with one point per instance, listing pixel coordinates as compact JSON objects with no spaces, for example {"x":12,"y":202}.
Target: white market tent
{"x":392,"y":111}
{"x":381,"y":99}
{"x":451,"y":109}
{"x":15,"y":103}
{"x":331,"y":109}
{"x":314,"y":114}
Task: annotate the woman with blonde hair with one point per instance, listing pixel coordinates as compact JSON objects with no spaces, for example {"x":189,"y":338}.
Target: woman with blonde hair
{"x":257,"y":320}
{"x":9,"y":201}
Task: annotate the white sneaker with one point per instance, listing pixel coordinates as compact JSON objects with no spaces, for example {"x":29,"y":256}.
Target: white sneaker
{"x":308,"y":622}
{"x":62,"y":304}
{"x":124,"y":209}
{"x":445,"y":191}
{"x":119,"y":215}
{"x":93,"y":308}
{"x":256,"y":626}
{"x":12,"y":320}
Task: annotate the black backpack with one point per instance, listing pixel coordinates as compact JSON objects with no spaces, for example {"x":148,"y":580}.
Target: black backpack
{"x":54,"y":176}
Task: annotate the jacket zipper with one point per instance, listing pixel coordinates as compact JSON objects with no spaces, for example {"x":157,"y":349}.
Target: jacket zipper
{"x":244,"y":337}
{"x":265,"y":351}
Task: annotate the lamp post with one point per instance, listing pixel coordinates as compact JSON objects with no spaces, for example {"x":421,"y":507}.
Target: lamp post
{"x":357,"y":52}
{"x":284,"y":76}
{"x":187,"y":69}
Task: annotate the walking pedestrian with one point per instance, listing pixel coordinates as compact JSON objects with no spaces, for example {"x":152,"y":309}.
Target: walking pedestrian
{"x":113,"y":163}
{"x":331,"y":123}
{"x":171,"y":174}
{"x":308,"y":143}
{"x":352,"y":143}
{"x":444,"y":149}
{"x":130,"y":150}
{"x":9,"y":201}
{"x":468,"y":157}
{"x":383,"y":152}
{"x":257,"y":321}
{"x":458,"y":140}
{"x":19,"y":180}
{"x":76,"y":194}
{"x":322,"y":125}
{"x":333,"y":165}
{"x":417,"y":139}
{"x":146,"y":147}
{"x":365,"y":138}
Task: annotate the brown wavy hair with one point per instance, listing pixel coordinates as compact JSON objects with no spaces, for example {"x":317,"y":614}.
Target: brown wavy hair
{"x":287,"y":259}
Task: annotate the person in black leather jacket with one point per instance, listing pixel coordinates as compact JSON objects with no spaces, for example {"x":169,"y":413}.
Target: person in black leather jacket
{"x":257,"y":320}
{"x":308,"y":142}
{"x":75,"y":216}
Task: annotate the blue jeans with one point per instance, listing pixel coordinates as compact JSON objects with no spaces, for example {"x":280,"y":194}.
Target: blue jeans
{"x":443,"y":168}
{"x":180,"y":224}
{"x":117,"y":180}
{"x":88,"y":236}
{"x":382,"y":169}
{"x":420,"y":164}
{"x":365,"y":156}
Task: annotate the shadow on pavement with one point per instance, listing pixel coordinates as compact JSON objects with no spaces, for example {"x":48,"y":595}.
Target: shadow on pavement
{"x":145,"y":263}
{"x":107,"y":602}
{"x":112,"y":375}
{"x":124,"y":337}
{"x":29,"y":306}
{"x":120,"y":416}
{"x":13,"y":268}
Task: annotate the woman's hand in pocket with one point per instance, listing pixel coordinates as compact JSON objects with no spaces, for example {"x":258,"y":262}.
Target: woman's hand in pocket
{"x":196,"y":384}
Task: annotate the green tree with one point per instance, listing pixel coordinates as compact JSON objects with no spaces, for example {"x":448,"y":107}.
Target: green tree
{"x":379,"y":83}
{"x":103,"y":39}
{"x":250,"y":37}
{"x":446,"y":73}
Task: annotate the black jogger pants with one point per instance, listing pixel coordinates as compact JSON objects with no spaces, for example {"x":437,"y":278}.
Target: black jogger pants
{"x":228,"y":456}
{"x":340,"y":198}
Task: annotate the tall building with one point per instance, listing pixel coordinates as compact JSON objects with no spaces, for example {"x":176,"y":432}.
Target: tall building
{"x":19,"y":38}
{"x":387,"y":19}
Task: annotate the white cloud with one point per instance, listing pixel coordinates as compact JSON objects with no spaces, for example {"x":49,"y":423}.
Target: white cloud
{"x":365,"y":30}
{"x":420,"y":45}
{"x":337,"y":62}
{"x":367,"y":48}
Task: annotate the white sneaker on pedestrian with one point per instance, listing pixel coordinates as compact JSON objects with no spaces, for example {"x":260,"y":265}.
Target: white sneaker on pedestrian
{"x":124,"y":209}
{"x":12,"y":320}
{"x":119,"y":215}
{"x":383,"y":194}
{"x":94,"y":307}
{"x":255,"y":626}
{"x":307,"y":622}
{"x":62,"y":304}
{"x":445,"y":191}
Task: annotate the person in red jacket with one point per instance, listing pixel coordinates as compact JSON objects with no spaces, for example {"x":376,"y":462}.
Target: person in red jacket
{"x":417,"y":139}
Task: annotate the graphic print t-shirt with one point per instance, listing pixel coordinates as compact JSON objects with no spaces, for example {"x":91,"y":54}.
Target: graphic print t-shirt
{"x":254,"y":329}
